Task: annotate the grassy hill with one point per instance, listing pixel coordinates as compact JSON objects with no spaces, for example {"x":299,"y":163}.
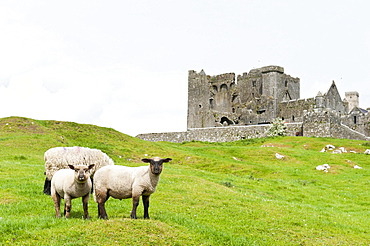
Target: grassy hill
{"x":235,"y":193}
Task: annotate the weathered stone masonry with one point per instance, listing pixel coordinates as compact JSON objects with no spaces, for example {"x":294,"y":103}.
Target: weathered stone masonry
{"x":221,"y":108}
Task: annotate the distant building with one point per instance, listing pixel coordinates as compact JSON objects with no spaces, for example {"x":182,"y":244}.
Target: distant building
{"x":258,"y":97}
{"x":254,"y":98}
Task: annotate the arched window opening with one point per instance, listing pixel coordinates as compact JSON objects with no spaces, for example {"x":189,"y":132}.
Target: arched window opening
{"x":225,"y":121}
{"x":254,"y":83}
{"x":211,"y":103}
{"x":224,"y":88}
{"x":234,"y":98}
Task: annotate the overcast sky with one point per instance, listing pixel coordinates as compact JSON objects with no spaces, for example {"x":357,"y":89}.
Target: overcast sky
{"x":124,"y":64}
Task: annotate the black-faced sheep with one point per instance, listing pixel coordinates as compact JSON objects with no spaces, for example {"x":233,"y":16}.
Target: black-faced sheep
{"x":122,"y":182}
{"x":69,"y":184}
{"x":60,"y":157}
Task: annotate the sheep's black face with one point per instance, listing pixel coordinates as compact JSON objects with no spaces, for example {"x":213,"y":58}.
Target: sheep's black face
{"x":156,"y":167}
{"x":82,"y":173}
{"x":156,"y":164}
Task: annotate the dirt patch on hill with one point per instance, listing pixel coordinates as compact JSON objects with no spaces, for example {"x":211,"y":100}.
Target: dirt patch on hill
{"x":19,"y":124}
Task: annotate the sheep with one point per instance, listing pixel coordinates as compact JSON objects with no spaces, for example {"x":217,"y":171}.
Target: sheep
{"x":122,"y":182}
{"x":343,"y":149}
{"x":329,"y":147}
{"x":69,"y":184}
{"x":323,"y":167}
{"x":60,"y":157}
{"x":336,"y":151}
{"x":278,"y":156}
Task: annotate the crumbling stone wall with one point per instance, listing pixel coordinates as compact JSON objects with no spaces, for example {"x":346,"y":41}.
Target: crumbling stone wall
{"x":358,"y":121}
{"x":293,"y":110}
{"x":218,"y":134}
{"x":319,"y":123}
{"x":324,"y":123}
{"x":328,"y":123}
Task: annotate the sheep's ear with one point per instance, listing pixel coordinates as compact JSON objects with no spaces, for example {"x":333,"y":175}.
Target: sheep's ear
{"x":91,"y":166}
{"x":145,"y":160}
{"x":167,"y":160}
{"x":71,"y":167}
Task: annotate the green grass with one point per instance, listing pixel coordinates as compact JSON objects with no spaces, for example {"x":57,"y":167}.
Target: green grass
{"x":234,"y":193}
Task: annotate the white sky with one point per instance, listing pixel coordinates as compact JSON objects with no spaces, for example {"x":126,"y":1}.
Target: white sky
{"x":124,"y":64}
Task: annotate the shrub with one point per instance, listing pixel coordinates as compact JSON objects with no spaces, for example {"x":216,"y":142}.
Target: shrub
{"x":277,"y":128}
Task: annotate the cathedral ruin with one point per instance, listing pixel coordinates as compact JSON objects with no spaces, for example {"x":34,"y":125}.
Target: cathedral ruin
{"x":227,"y":107}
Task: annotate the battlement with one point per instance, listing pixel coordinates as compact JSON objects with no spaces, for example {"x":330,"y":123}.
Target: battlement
{"x":352,"y":93}
{"x":194,"y":74}
{"x":229,"y":77}
{"x":269,"y":69}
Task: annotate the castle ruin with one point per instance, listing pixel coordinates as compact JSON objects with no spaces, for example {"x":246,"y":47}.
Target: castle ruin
{"x":243,"y":106}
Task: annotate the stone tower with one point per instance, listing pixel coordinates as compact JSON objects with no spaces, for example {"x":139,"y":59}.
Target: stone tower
{"x":272,"y":85}
{"x":353,"y":99}
{"x":198,"y":100}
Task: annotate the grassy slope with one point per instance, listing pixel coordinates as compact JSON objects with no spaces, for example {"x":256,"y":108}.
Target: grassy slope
{"x":211,"y":194}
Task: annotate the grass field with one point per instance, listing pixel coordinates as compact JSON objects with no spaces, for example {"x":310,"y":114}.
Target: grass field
{"x":234,"y":193}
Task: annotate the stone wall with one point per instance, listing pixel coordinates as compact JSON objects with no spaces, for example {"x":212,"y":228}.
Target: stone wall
{"x":344,"y":131}
{"x":358,"y":121}
{"x":318,"y":123}
{"x":218,"y":134}
{"x":293,"y":110}
{"x":328,"y":123}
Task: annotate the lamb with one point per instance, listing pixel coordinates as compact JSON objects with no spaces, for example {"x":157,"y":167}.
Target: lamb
{"x":60,"y":157}
{"x":69,"y":184}
{"x":122,"y":182}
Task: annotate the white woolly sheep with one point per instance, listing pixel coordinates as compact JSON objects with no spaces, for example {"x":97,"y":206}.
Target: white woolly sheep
{"x":278,"y":156}
{"x":323,"y":167}
{"x":69,"y":184}
{"x":122,"y":182}
{"x":60,"y":157}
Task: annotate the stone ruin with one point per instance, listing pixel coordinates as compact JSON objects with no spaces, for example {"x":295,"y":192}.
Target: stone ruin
{"x":228,"y":108}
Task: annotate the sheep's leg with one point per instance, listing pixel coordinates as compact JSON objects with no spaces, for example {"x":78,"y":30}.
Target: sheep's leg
{"x":135,"y":203}
{"x":85,"y":202}
{"x":101,"y":211}
{"x":67,"y":206}
{"x":47,"y":187}
{"x":56,"y":199}
{"x":146,"y":206}
{"x":101,"y":199}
